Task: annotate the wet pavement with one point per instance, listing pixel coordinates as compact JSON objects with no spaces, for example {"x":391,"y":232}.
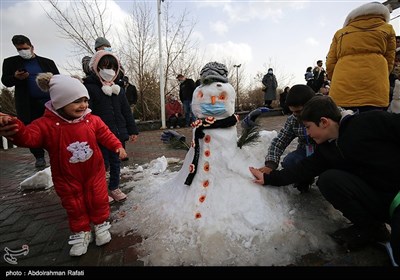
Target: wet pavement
{"x":37,"y":219}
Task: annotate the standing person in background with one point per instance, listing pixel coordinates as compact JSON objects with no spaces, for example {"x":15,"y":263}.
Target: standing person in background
{"x":364,"y":47}
{"x":130,"y":92}
{"x":101,"y":44}
{"x":70,"y":134}
{"x":319,"y":75}
{"x":108,"y":101}
{"x":271,"y":84}
{"x":131,"y":95}
{"x":282,"y":101}
{"x":186,"y":89}
{"x":318,"y":70}
{"x":21,"y":71}
{"x":309,"y":76}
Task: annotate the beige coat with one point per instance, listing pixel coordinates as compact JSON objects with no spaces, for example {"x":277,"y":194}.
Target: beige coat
{"x":360,"y":58}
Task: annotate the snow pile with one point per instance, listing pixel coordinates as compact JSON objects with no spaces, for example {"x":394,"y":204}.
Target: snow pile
{"x":39,"y":180}
{"x":239,"y":223}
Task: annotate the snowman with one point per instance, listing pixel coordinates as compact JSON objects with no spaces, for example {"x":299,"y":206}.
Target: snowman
{"x":211,"y":212}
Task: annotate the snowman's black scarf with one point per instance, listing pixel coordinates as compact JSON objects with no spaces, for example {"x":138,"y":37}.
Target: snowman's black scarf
{"x":199,"y":134}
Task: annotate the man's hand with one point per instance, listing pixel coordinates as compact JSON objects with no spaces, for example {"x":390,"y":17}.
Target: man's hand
{"x":8,"y":126}
{"x":258,"y":175}
{"x":21,"y":74}
{"x":133,"y":138}
{"x":249,"y":120}
{"x":122,"y":153}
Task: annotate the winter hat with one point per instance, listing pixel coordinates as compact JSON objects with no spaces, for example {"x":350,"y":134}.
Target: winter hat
{"x":108,"y":87}
{"x":101,"y":41}
{"x":63,"y":89}
{"x":214,"y":72}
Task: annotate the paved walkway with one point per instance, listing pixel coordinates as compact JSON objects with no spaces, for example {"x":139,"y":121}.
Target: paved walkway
{"x":36,"y":218}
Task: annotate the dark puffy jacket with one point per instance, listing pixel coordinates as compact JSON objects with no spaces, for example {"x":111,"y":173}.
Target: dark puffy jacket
{"x":27,"y":107}
{"x":186,"y":89}
{"x":114,"y":110}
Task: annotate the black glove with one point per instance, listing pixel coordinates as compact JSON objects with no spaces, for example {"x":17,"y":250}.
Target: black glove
{"x":249,"y":120}
{"x":167,"y":135}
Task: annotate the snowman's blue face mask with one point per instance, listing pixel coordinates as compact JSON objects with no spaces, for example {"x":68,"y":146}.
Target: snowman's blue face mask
{"x":209,"y":109}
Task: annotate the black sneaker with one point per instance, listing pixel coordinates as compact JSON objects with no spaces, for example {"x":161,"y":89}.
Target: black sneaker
{"x":355,"y":237}
{"x":40,"y":162}
{"x":303,"y":188}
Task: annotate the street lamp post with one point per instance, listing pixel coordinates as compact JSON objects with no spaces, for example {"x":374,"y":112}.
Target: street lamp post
{"x":237,"y":84}
{"x":162,"y":99}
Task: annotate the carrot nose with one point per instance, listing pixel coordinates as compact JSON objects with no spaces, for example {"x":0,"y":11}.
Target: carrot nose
{"x":213,"y":100}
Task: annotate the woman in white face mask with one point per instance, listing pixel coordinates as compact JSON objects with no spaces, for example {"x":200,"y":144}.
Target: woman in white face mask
{"x":106,"y":67}
{"x":109,"y":102}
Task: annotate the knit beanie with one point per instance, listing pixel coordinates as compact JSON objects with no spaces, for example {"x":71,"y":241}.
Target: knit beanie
{"x":214,"y":72}
{"x":101,"y":41}
{"x":63,"y":89}
{"x":108,"y":87}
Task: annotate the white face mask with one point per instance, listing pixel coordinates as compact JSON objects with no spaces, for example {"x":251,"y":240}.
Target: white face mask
{"x":25,"y":54}
{"x":109,"y":49}
{"x":107,"y":74}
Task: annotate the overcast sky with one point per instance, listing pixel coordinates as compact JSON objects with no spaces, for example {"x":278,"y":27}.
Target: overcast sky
{"x":291,"y":34}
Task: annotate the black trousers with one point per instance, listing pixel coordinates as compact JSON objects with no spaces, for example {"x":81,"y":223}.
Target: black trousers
{"x":360,"y":203}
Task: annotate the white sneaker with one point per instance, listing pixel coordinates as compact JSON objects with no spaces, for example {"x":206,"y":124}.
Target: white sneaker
{"x":80,"y":242}
{"x":110,"y":200}
{"x":103,"y":236}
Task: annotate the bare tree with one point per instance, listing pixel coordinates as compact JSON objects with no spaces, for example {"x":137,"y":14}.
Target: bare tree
{"x":81,"y":21}
{"x":139,"y":51}
{"x":180,"y":50}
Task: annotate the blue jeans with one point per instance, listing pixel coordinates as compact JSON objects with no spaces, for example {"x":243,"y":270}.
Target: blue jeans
{"x":111,"y":159}
{"x":293,"y":158}
{"x":187,"y":107}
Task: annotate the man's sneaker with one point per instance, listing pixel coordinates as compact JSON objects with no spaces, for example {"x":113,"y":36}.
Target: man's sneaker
{"x":80,"y":242}
{"x":103,"y":236}
{"x":303,"y":188}
{"x":355,"y":237}
{"x":110,"y":200}
{"x":118,"y":195}
{"x":40,"y":162}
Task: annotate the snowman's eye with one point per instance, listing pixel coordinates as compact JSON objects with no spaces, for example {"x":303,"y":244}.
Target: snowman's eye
{"x":200,"y":94}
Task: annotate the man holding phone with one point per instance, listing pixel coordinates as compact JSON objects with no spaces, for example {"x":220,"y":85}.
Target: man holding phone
{"x":21,"y":71}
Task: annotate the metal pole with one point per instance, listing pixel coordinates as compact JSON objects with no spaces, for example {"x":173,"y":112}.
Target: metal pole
{"x":163,"y":123}
{"x":237,"y":84}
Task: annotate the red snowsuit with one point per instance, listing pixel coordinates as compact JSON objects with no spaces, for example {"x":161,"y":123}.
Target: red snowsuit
{"x":77,"y":165}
